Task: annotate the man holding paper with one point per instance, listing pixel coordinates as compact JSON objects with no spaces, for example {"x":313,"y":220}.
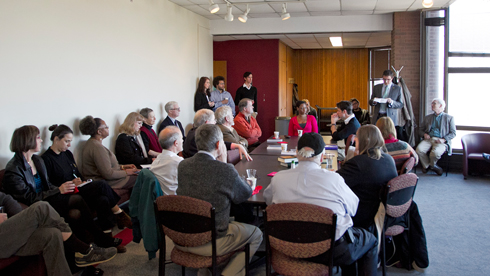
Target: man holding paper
{"x":386,"y":99}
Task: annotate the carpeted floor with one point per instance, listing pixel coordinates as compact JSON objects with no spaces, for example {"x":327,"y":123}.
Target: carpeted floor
{"x":454,"y":211}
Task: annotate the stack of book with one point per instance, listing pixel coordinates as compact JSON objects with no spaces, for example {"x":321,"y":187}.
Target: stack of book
{"x":286,"y":160}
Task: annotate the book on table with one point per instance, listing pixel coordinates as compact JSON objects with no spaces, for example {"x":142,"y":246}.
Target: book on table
{"x":287,"y":159}
{"x":272,"y":140}
{"x":287,"y":165}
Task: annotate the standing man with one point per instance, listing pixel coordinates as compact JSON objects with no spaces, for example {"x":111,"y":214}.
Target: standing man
{"x":348,"y":126}
{"x":247,"y":91}
{"x":173,"y":111}
{"x":207,"y":177}
{"x":220,"y":97}
{"x":362,"y":115}
{"x":386,"y":99}
{"x":309,"y":183}
{"x":437,"y":129}
{"x":246,"y":125}
{"x":165,"y":165}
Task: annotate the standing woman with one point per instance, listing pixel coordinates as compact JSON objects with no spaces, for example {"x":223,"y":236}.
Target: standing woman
{"x":26,"y":179}
{"x":98,"y":162}
{"x":303,"y":121}
{"x":99,"y":196}
{"x":148,"y":135}
{"x":202,"y":98}
{"x":130,"y":148}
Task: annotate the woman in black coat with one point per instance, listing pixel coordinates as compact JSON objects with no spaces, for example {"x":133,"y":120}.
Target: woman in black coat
{"x":202,"y":98}
{"x":367,"y":173}
{"x":130,"y":148}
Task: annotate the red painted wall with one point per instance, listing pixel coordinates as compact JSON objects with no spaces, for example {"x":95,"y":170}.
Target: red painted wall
{"x":261,"y":57}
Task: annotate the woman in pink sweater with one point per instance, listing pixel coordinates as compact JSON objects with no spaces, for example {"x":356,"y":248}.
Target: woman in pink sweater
{"x":306,"y":123}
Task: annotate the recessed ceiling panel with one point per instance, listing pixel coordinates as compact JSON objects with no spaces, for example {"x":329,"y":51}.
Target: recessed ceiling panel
{"x":355,"y":5}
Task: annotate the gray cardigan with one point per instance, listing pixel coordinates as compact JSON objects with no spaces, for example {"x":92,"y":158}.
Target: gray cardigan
{"x":448,"y":127}
{"x":213,"y":181}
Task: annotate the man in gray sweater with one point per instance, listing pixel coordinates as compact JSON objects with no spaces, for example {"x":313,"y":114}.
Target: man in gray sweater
{"x":208,"y":177}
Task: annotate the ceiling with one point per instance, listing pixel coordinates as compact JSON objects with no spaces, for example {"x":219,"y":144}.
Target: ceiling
{"x":311,"y":8}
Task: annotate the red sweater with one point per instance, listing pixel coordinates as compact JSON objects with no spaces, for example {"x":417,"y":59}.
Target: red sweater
{"x":250,"y":131}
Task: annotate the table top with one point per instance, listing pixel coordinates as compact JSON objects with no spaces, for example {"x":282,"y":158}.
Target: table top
{"x":262,"y":148}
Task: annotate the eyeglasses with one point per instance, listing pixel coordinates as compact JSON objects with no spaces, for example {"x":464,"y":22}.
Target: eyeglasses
{"x":178,"y":109}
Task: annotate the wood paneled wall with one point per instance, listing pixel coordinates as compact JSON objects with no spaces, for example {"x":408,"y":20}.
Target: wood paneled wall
{"x":325,"y":77}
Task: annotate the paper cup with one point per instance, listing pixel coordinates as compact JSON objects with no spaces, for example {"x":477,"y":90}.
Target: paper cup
{"x":300,"y":132}
{"x":284,"y":147}
{"x":276,"y":134}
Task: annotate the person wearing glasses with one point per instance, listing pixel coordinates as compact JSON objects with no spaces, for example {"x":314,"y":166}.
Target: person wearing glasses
{"x":386,"y":99}
{"x":173,"y":111}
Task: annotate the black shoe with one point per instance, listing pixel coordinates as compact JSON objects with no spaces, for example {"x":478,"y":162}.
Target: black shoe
{"x":437,"y":169}
{"x":486,"y":157}
{"x":424,"y":170}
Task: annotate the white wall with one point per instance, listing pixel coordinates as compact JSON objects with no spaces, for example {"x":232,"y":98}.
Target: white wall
{"x":61,"y":60}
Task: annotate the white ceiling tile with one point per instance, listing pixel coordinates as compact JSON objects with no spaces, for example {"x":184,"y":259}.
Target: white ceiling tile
{"x":357,"y":12}
{"x":256,"y":8}
{"x":399,"y":5}
{"x":299,"y":14}
{"x":222,"y":38}
{"x":238,"y":1}
{"x":213,"y":17}
{"x":331,"y":13}
{"x":323,"y":5}
{"x":354,"y":44}
{"x":276,"y":36}
{"x":382,"y":12}
{"x":197,"y":9}
{"x":200,"y":2}
{"x":182,"y":2}
{"x":353,"y":5}
{"x":301,"y":36}
{"x":263,"y":15}
{"x":310,"y":45}
{"x":356,"y":35}
{"x":292,"y":7}
{"x":245,"y":37}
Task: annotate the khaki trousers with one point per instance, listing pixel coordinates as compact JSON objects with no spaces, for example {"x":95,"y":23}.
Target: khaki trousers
{"x":436,"y":151}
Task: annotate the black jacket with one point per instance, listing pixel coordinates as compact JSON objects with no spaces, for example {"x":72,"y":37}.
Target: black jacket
{"x":168,"y":122}
{"x":128,"y":151}
{"x":19,"y":181}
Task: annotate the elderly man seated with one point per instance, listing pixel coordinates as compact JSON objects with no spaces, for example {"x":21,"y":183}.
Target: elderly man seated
{"x":309,"y":183}
{"x":206,"y":116}
{"x":224,"y":119}
{"x":246,"y":125}
{"x":437,"y":129}
{"x":207,"y":177}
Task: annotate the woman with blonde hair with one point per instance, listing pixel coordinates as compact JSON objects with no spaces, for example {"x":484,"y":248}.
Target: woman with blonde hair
{"x":367,"y":173}
{"x":399,"y":150}
{"x":129,"y":147}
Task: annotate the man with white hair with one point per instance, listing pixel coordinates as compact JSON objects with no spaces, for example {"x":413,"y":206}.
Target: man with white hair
{"x":173,"y":110}
{"x":437,"y":129}
{"x":164,"y":167}
{"x":309,"y":183}
{"x":224,"y":119}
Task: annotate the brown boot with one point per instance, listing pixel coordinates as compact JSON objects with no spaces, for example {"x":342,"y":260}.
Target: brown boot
{"x":123,"y":220}
{"x":121,"y":248}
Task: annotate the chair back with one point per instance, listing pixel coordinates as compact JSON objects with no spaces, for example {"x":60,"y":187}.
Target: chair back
{"x":350,"y":141}
{"x":185,"y":220}
{"x":233,"y":156}
{"x":407,"y":166}
{"x":301,"y":230}
{"x":400,"y":194}
{"x":476,"y":143}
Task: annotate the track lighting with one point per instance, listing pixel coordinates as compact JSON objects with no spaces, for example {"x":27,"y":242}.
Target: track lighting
{"x":243,"y":18}
{"x":284,"y":15}
{"x":229,"y":16}
{"x":213,"y":8}
{"x":427,"y":3}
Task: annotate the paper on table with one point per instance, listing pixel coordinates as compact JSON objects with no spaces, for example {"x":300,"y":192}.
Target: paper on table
{"x":293,"y":151}
{"x":380,"y":100}
{"x":146,"y":166}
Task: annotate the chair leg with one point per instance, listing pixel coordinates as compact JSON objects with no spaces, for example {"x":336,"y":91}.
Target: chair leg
{"x":447,"y":164}
{"x":383,"y":248}
{"x":183,"y":270}
{"x":247,"y":259}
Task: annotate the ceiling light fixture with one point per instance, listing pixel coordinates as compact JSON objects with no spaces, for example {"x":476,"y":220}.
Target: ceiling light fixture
{"x":336,"y":41}
{"x":243,"y":18}
{"x":285,"y":15}
{"x":213,"y":8}
{"x":427,"y":3}
{"x":229,"y":16}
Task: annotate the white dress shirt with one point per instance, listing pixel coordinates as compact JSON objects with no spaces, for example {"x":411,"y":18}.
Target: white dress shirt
{"x":309,"y":183}
{"x":165,"y":170}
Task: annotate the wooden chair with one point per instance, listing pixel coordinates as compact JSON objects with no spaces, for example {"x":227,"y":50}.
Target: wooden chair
{"x":189,"y":222}
{"x":300,"y":239}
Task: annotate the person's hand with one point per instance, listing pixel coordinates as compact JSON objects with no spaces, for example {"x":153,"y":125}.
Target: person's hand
{"x":334,"y":118}
{"x":224,"y":101}
{"x":426,"y":136}
{"x":131,"y":171}
{"x":211,"y":104}
{"x":67,"y":187}
{"x":126,"y":167}
{"x":3,"y":217}
{"x":77,"y":181}
{"x":389,"y":100}
{"x":242,"y":150}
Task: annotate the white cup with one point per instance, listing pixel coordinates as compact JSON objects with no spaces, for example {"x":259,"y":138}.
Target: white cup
{"x":226,"y":98}
{"x":252,"y":181}
{"x":284,"y":147}
{"x":300,"y":132}
{"x":276,"y":134}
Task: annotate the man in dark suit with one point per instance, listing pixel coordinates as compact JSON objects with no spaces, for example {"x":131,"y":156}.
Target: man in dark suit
{"x":207,"y":176}
{"x":349,"y":125}
{"x":386,"y":99}
{"x":173,"y":110}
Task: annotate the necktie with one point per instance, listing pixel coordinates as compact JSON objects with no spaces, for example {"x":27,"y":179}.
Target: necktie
{"x":386,"y":91}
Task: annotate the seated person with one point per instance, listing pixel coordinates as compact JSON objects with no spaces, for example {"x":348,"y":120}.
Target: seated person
{"x":348,"y":126}
{"x":148,"y":135}
{"x":207,"y":117}
{"x":202,"y":98}
{"x":246,"y":125}
{"x":438,"y":130}
{"x":309,"y":183}
{"x":362,"y":115}
{"x":399,"y":150}
{"x":224,"y":119}
{"x":165,"y":165}
{"x":40,"y":229}
{"x":26,"y":180}
{"x":220,"y":96}
{"x":99,"y":196}
{"x":311,"y":110}
{"x":207,"y":177}
{"x":98,"y":162}
{"x":367,"y":173}
{"x":130,"y":148}
{"x":303,"y":121}
{"x":173,"y":110}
